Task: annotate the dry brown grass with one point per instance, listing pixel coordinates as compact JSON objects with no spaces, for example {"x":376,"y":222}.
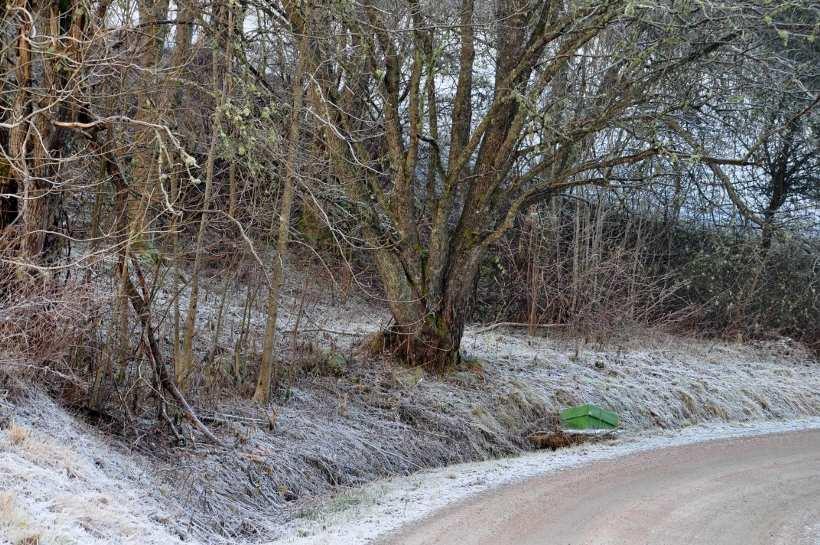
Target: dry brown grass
{"x":17,"y":435}
{"x":558,"y":439}
{"x":15,"y":524}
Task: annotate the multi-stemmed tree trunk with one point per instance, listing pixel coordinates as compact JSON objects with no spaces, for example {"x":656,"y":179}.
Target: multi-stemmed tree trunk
{"x":575,"y":95}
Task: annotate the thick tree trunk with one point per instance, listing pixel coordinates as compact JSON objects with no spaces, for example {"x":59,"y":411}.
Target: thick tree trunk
{"x":35,"y":167}
{"x":767,"y":231}
{"x":778,"y":185}
{"x":428,"y":333}
{"x":432,"y":343}
{"x":21,"y":108}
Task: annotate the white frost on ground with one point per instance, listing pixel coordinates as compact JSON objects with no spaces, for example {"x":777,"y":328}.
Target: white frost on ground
{"x":652,"y":380}
{"x":385,"y":506}
{"x":60,"y":485}
{"x":658,"y":380}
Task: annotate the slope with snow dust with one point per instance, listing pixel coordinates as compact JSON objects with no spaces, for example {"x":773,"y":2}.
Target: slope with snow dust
{"x":59,"y":484}
{"x":373,"y":420}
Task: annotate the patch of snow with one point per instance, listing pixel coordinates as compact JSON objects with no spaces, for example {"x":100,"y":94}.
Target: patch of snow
{"x":385,"y":506}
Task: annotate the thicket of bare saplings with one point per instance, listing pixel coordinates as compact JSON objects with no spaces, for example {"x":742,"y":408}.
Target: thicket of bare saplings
{"x":574,"y":163}
{"x":599,"y":270}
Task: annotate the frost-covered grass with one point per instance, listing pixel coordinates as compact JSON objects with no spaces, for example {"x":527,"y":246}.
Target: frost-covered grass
{"x":342,"y":419}
{"x":658,"y":380}
{"x":337,"y":429}
{"x":60,"y":485}
{"x":387,"y":505}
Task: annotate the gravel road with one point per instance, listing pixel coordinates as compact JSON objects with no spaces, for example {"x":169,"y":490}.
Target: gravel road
{"x":750,"y":491}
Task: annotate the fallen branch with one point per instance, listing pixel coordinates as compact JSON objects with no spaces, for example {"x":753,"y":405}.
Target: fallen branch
{"x":515,"y":324}
{"x":141,"y":308}
{"x":323,"y":330}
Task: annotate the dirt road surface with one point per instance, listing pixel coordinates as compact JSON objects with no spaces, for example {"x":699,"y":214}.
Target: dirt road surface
{"x":751,"y":491}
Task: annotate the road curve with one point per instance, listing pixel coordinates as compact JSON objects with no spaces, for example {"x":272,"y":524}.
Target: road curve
{"x":752,"y":491}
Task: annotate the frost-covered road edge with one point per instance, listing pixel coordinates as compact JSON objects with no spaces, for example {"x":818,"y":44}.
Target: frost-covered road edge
{"x":385,"y":506}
